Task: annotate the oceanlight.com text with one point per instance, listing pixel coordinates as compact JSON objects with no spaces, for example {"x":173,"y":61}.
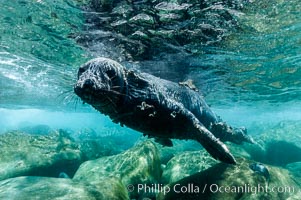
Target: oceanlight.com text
{"x":212,"y":188}
{"x":247,"y":188}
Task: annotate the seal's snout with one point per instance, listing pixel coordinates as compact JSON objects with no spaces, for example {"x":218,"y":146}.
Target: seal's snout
{"x":84,"y":86}
{"x":88,"y":84}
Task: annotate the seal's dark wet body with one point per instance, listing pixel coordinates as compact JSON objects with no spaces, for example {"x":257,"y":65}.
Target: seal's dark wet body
{"x":155,"y":102}
{"x":156,"y":107}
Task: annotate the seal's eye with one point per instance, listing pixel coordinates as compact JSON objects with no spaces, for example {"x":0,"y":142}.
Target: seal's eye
{"x":111,"y":74}
{"x":81,"y":70}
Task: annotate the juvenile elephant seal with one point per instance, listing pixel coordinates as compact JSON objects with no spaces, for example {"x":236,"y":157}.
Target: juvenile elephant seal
{"x":158,"y":108}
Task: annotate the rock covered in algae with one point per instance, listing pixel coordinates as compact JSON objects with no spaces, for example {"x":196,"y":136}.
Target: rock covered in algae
{"x":138,"y":165}
{"x":228,"y":182}
{"x":37,"y":155}
{"x":294,"y":168}
{"x":93,"y":148}
{"x":179,"y":146}
{"x":187,"y":164}
{"x":31,"y":187}
{"x":105,"y":142}
{"x":295,"y":171}
{"x":295,"y":196}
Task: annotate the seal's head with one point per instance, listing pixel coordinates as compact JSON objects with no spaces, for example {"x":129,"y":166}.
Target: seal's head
{"x":101,"y":83}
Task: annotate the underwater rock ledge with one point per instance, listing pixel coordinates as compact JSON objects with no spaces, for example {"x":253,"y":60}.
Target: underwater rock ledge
{"x":203,"y":185}
{"x":23,"y":154}
{"x":36,"y":152}
{"x":138,"y":165}
{"x":30,"y":187}
{"x":186,"y":164}
{"x":118,"y":176}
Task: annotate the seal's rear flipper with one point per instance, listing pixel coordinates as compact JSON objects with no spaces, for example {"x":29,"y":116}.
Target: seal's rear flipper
{"x":241,"y":134}
{"x":226,"y":133}
{"x":214,"y":146}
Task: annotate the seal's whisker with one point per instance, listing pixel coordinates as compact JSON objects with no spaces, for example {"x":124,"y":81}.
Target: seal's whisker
{"x":64,"y":96}
{"x":72,"y":97}
{"x":116,"y":87}
{"x":68,"y":98}
{"x":76,"y":102}
{"x":112,"y":78}
{"x":67,"y":92}
{"x":112,"y":103}
{"x":73,"y":101}
{"x":104,"y":106}
{"x":118,"y":93}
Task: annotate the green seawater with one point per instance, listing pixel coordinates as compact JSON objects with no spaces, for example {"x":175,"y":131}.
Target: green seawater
{"x":38,"y":57}
{"x":251,"y":78}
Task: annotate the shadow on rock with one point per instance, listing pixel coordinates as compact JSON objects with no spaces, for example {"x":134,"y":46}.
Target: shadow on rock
{"x":192,"y":187}
{"x":281,"y":153}
{"x":278,"y":153}
{"x":276,"y":144}
{"x":24,"y":154}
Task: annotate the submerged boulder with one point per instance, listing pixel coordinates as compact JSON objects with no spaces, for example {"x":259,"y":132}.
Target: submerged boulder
{"x":295,"y":196}
{"x":23,"y":154}
{"x":138,"y":165}
{"x":179,"y":146}
{"x":295,"y":170}
{"x":27,"y":188}
{"x":187,"y":164}
{"x":96,"y":148}
{"x":107,"y":142}
{"x":223,"y":181}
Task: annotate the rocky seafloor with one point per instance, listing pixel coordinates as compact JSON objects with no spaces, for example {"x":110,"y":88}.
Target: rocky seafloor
{"x":31,"y":166}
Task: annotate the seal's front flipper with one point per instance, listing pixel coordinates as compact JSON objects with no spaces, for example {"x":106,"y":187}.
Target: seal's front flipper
{"x":214,"y":146}
{"x":164,"y":141}
{"x":226,"y":133}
